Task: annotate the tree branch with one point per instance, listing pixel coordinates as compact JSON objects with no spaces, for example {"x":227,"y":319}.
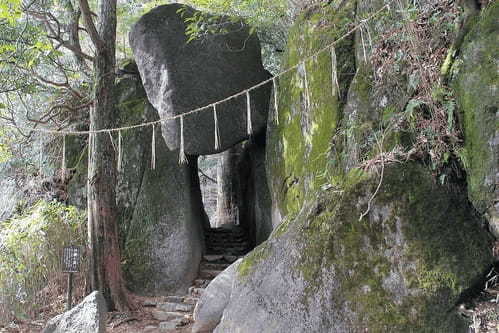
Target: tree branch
{"x":89,"y":24}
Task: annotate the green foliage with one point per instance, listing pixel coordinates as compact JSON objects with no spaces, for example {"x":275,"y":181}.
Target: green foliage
{"x":5,"y":151}
{"x":10,"y":11}
{"x":30,"y":252}
{"x":270,"y":19}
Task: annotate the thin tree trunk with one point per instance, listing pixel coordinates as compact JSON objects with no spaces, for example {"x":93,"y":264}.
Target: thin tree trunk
{"x":227,"y":196}
{"x":105,"y":264}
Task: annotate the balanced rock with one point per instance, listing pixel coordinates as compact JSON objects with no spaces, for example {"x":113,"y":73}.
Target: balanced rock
{"x":181,"y":75}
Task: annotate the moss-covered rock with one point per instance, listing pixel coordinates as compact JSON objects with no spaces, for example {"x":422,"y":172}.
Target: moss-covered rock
{"x":298,"y":147}
{"x":386,"y":251}
{"x":475,"y":84}
{"x":400,"y":269}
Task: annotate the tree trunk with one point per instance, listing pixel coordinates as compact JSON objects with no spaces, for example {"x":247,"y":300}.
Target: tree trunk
{"x":104,"y":252}
{"x":227,"y":196}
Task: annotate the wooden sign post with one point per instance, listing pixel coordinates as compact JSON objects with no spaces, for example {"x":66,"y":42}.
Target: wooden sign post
{"x":71,"y":256}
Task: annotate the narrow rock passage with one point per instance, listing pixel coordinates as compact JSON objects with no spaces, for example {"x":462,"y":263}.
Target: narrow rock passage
{"x":223,"y":247}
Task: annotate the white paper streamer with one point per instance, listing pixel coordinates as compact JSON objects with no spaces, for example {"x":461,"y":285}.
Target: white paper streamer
{"x":249,"y":126}
{"x":276,"y":100}
{"x":182,"y":159}
{"x":307,"y":92}
{"x":217,"y":133}
{"x":153,"y":148}
{"x":119,"y":166}
{"x":335,"y":87}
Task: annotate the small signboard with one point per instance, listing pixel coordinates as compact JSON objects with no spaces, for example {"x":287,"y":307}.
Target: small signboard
{"x":71,"y":256}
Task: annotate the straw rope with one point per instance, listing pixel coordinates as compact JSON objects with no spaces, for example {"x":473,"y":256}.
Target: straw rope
{"x":213,"y":105}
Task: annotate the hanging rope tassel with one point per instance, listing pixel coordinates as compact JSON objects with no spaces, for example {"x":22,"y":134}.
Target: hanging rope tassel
{"x":217,"y":133}
{"x":119,"y":152}
{"x":182,"y":159}
{"x":153,"y":148}
{"x":276,"y":114}
{"x":249,"y":126}
{"x":362,"y":40}
{"x":63,"y":167}
{"x":335,"y":87}
{"x":307,"y":92}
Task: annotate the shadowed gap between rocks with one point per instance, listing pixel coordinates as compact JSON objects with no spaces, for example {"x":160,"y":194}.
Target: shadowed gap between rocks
{"x":236,"y":198}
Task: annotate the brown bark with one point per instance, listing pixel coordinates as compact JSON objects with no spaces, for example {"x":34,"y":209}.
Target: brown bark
{"x":104,"y":251}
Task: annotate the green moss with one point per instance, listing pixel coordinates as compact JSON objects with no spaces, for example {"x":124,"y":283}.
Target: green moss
{"x":442,"y":256}
{"x":474,"y":85}
{"x":298,"y":148}
{"x":249,"y":262}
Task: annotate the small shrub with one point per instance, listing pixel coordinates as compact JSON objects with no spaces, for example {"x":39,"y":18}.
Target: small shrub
{"x":31,"y":245}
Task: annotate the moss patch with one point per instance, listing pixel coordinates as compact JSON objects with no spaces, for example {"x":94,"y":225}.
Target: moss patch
{"x":249,"y":263}
{"x":404,"y":267}
{"x":475,"y":84}
{"x":298,"y":148}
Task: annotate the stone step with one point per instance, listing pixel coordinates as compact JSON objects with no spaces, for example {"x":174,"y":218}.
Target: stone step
{"x":175,"y":307}
{"x":149,"y":303}
{"x":174,"y":299}
{"x":227,"y":245}
{"x":211,"y":258}
{"x":226,"y":249}
{"x":226,"y":252}
{"x":235,"y":239}
{"x":231,"y":259}
{"x":196,"y":292}
{"x":201,"y":283}
{"x":191,"y":300}
{"x":167,"y":315}
{"x":227,"y":236}
{"x":209,"y":273}
{"x":166,"y":326}
{"x":216,"y":266}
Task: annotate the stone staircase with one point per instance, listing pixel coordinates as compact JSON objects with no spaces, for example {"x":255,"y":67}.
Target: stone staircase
{"x":233,"y":241}
{"x":223,"y":247}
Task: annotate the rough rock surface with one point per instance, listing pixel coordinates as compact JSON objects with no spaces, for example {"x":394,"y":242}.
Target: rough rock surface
{"x":163,"y":241}
{"x":161,"y":212}
{"x":476,"y":85}
{"x":87,"y":317}
{"x":180,"y":76}
{"x":403,"y":267}
{"x":255,"y":206}
{"x":214,"y":299}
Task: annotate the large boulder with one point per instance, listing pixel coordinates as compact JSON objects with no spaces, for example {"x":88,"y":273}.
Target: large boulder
{"x":475,"y":84}
{"x":179,"y":76}
{"x":403,"y":268}
{"x":87,"y":317}
{"x":160,"y":211}
{"x":215,"y":298}
{"x":385,"y":248}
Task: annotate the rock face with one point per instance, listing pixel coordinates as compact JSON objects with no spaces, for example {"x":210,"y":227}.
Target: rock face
{"x":382,"y":249}
{"x":163,"y":216}
{"x":255,"y":205}
{"x":87,"y":317}
{"x":476,"y":84}
{"x":214,"y":299}
{"x":179,"y":76}
{"x":161,"y":213}
{"x":402,"y":268}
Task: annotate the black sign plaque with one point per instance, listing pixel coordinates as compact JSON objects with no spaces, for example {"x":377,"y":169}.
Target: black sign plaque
{"x":71,"y":259}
